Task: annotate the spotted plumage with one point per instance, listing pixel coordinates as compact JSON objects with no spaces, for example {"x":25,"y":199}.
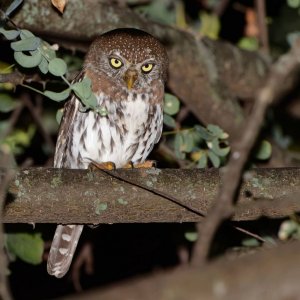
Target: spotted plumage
{"x":128,"y":68}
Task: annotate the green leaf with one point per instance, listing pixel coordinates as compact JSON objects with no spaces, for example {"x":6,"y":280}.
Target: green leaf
{"x":20,"y":138}
{"x":215,"y":147}
{"x":210,"y":25}
{"x":82,"y":89}
{"x":10,"y":34}
{"x":214,"y":159}
{"x":265,"y":150}
{"x":28,"y":247}
{"x":28,"y":44}
{"x":171,"y":104}
{"x":60,"y":96}
{"x":7,"y":103}
{"x":169,"y":121}
{"x":205,"y":135}
{"x":191,"y":236}
{"x":91,"y":102}
{"x":202,"y":162}
{"x":251,"y":242}
{"x":25,"y":34}
{"x":57,"y":67}
{"x":28,"y":61}
{"x":188,"y":142}
{"x":215,"y":130}
{"x":13,"y":6}
{"x":43,"y":66}
{"x":178,"y":142}
{"x":248,"y":43}
{"x":293,"y":3}
{"x":47,"y":51}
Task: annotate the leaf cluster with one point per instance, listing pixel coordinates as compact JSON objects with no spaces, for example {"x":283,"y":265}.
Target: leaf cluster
{"x":31,"y":52}
{"x":203,"y":145}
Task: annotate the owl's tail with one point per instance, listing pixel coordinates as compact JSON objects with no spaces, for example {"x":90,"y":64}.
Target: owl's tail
{"x":62,"y":249}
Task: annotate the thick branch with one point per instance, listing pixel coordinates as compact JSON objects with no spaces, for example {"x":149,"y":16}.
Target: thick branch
{"x":286,"y":70}
{"x":269,"y":275}
{"x":207,"y":75}
{"x":80,"y":196}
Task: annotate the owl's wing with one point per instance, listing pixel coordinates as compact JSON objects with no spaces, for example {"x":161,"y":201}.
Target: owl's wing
{"x":160,"y":124}
{"x":66,"y":125}
{"x":66,"y":237}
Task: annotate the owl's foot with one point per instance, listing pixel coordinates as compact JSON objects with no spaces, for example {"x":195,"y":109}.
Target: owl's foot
{"x":129,"y":165}
{"x":148,"y":164}
{"x":102,"y":166}
{"x":144,"y":165}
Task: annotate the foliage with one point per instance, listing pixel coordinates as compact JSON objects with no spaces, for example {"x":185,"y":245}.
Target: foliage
{"x":203,"y":145}
{"x":26,"y":246}
{"x":30,"y":51}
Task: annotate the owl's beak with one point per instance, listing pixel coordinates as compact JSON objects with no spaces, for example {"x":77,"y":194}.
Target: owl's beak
{"x":130,"y":77}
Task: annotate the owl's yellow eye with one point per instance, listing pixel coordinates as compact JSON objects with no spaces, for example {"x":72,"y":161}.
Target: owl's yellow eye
{"x":115,"y":63}
{"x":146,"y":68}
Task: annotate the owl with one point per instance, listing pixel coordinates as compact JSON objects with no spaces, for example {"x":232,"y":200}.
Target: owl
{"x":128,"y":70}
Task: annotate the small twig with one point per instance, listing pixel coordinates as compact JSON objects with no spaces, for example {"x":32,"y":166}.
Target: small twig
{"x":164,"y":150}
{"x":263,"y":29}
{"x":85,"y":259}
{"x":12,"y":120}
{"x":27,"y":102}
{"x":15,"y":78}
{"x":285,"y":70}
{"x":256,"y":236}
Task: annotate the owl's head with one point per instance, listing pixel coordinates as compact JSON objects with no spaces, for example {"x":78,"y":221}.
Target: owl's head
{"x":132,"y":59}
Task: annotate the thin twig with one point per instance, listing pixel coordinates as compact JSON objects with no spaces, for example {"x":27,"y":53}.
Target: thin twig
{"x":27,"y":102}
{"x":164,"y":150}
{"x":15,"y":78}
{"x":285,"y":70}
{"x":256,"y":236}
{"x":263,"y":29}
{"x":12,"y":120}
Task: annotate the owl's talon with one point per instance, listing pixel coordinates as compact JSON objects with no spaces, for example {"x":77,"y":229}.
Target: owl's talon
{"x":129,"y":165}
{"x":148,"y":164}
{"x":93,"y":166}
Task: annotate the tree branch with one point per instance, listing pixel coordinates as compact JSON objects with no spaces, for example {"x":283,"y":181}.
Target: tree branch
{"x":284,"y":70}
{"x":42,"y":195}
{"x":215,"y":73}
{"x":271,"y":275}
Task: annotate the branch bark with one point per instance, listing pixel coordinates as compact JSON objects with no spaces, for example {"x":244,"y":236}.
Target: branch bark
{"x":209,"y":76}
{"x":42,"y":195}
{"x":269,"y":275}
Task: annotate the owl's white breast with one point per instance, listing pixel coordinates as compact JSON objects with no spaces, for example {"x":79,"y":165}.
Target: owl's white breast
{"x":123,"y":135}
